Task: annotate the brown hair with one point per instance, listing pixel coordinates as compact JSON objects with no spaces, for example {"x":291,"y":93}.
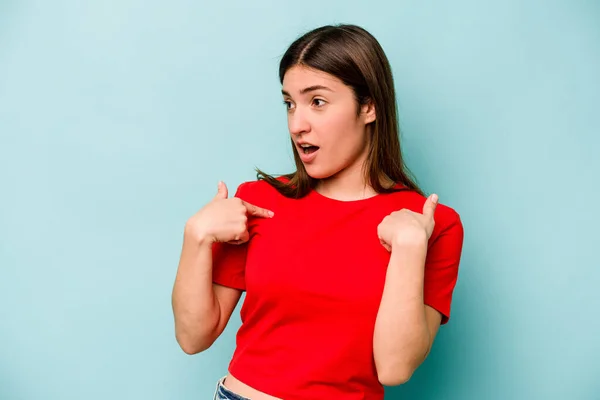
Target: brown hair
{"x":354,"y":56}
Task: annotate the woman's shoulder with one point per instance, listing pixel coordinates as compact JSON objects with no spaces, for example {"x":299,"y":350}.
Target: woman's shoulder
{"x":445,"y":215}
{"x":254,"y":190}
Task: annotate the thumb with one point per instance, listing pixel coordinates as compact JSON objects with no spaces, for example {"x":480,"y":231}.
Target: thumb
{"x":430,"y":205}
{"x":222,"y":192}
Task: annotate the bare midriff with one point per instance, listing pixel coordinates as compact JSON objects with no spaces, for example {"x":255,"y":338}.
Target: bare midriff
{"x":239,"y":387}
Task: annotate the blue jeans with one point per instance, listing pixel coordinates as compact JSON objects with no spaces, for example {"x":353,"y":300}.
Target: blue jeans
{"x":222,"y":393}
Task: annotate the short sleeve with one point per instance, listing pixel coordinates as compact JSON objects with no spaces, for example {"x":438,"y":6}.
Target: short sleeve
{"x":229,"y":265}
{"x":229,"y":260}
{"x":441,"y":267}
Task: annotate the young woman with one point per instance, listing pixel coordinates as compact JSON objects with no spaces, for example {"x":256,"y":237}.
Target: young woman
{"x":348,"y":268}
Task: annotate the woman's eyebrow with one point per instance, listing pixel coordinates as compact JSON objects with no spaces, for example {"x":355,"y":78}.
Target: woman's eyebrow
{"x":308,"y":89}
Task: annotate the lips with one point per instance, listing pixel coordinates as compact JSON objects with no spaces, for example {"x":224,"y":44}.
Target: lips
{"x":306,"y":147}
{"x":307,"y":151}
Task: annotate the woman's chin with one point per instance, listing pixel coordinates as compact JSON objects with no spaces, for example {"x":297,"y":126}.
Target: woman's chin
{"x":318,"y":173}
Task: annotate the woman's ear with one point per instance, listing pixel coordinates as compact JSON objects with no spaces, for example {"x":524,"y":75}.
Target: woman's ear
{"x":368,"y":112}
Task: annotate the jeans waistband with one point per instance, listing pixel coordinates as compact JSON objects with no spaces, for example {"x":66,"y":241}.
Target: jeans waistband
{"x":222,"y":393}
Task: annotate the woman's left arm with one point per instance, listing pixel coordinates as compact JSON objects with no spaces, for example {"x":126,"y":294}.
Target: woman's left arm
{"x":405,"y":328}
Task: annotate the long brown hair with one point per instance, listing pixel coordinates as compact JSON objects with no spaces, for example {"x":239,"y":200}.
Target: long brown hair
{"x":354,"y":56}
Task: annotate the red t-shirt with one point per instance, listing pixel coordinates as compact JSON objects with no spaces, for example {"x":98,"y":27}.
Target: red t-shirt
{"x":314,"y":276}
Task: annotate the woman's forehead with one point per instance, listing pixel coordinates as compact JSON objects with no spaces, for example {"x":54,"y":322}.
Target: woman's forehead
{"x":298,"y":78}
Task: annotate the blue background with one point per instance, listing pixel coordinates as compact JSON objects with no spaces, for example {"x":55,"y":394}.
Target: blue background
{"x":117,"y":119}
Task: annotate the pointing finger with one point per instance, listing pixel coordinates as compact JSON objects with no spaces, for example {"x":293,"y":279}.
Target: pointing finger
{"x":430,"y":205}
{"x":257,"y":211}
{"x":222,"y":191}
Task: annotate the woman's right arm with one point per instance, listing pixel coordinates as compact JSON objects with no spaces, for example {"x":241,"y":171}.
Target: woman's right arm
{"x":201,"y":308}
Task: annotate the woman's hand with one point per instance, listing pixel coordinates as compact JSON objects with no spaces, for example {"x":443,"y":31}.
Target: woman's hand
{"x":407,"y":227}
{"x":223,"y":219}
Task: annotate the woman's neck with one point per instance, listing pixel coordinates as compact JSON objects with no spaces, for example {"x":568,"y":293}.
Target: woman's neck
{"x":345,"y":188}
{"x":351,"y":183}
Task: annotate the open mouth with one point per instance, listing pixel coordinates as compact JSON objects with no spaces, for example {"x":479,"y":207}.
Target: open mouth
{"x":308,"y":148}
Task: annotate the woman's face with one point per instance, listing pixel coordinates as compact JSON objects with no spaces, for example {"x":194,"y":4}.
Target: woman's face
{"x":329,"y":136}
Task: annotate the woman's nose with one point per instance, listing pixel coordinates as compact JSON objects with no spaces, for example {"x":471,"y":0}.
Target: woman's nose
{"x":298,"y":123}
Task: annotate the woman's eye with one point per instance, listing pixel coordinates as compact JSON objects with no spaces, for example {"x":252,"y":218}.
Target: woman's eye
{"x":319,"y":102}
{"x":288,"y":104}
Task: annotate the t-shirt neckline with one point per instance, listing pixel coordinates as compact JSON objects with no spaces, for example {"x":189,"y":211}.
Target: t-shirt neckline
{"x":375,"y":197}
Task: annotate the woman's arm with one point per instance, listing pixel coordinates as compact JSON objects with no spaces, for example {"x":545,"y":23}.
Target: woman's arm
{"x":405,"y":328}
{"x":201,"y":308}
